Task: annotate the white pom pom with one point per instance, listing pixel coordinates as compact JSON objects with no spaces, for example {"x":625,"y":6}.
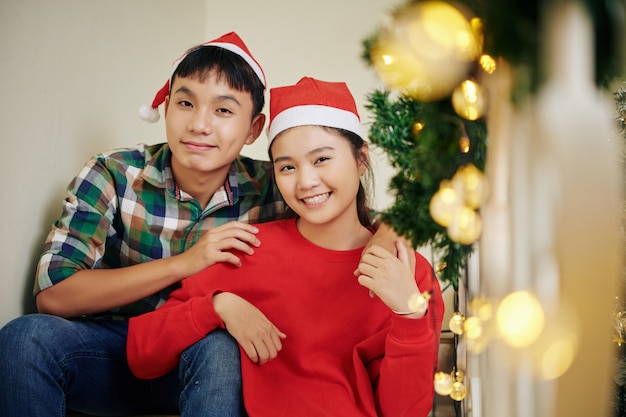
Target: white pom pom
{"x":148,"y":113}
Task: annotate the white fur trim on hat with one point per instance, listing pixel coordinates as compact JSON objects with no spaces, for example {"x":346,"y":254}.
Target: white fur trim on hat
{"x":315,"y":115}
{"x":149,"y":114}
{"x":236,"y":49}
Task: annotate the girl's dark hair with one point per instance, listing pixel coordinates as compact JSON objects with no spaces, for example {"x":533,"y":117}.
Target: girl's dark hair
{"x":238,"y":74}
{"x":362,"y":197}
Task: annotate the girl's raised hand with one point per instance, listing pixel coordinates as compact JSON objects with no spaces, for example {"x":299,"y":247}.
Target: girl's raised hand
{"x":389,"y":277}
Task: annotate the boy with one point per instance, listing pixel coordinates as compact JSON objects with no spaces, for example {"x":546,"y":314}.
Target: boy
{"x":135,"y":222}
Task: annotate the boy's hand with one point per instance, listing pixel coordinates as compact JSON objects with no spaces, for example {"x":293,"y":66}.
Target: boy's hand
{"x":213,"y":247}
{"x":258,"y":336}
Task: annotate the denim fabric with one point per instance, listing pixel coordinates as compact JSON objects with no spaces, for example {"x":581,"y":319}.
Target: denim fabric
{"x":49,"y":364}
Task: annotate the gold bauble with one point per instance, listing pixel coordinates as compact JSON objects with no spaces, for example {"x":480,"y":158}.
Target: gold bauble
{"x":471,"y":181}
{"x":458,"y":391}
{"x":426,"y":50}
{"x":443,"y":204}
{"x":465,"y":226}
{"x":456,"y":323}
{"x":443,"y":383}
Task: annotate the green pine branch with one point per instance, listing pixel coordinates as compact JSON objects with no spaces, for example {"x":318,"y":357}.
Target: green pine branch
{"x":423,"y":159}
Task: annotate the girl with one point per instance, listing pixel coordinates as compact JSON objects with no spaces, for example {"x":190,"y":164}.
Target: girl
{"x":319,"y":341}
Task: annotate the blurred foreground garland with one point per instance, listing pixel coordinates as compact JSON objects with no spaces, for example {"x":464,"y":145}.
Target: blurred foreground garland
{"x":619,"y":318}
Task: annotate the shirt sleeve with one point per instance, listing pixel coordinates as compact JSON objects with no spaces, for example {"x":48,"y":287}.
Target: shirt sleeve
{"x":158,"y":338}
{"x":78,"y":238}
{"x":402,"y":376}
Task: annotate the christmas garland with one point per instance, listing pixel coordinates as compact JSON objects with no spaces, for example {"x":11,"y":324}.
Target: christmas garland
{"x":422,"y":138}
{"x":423,"y":158}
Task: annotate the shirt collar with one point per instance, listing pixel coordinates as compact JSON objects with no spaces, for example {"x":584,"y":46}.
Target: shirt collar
{"x":241,"y":180}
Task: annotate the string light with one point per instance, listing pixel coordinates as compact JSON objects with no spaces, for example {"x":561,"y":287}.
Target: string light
{"x":487,"y":63}
{"x":468,"y":100}
{"x":464,"y":144}
{"x":417,"y":128}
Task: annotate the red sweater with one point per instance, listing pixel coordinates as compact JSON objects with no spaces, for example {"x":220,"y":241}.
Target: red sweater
{"x":346,"y":354}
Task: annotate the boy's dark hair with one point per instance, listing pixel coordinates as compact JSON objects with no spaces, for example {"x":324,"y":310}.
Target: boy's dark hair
{"x":233,"y":68}
{"x":362,"y":197}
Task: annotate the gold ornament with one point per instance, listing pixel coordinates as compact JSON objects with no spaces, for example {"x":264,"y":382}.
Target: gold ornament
{"x":444,"y":203}
{"x":468,"y":100}
{"x":426,"y":51}
{"x":471,"y":181}
{"x":458,"y":391}
{"x":443,"y":383}
{"x":458,"y":375}
{"x":453,"y":205}
{"x":456,"y":323}
{"x":465,"y":226}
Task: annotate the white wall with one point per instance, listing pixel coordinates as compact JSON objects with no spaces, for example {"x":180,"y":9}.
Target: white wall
{"x":75,"y":71}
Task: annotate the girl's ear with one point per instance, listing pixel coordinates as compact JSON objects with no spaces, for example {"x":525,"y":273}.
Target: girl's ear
{"x":363,"y":158}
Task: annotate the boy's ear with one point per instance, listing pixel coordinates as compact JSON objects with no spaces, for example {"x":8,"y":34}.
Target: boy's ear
{"x":166,"y":104}
{"x":256,"y":129}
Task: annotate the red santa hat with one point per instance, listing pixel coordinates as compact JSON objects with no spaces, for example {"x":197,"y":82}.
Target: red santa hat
{"x":232,"y":42}
{"x":312,"y":102}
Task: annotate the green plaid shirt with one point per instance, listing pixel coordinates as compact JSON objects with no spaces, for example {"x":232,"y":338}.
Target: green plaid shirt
{"x":124,"y":208}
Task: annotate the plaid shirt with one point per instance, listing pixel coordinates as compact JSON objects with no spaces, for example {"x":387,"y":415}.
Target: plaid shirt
{"x":124,"y":208}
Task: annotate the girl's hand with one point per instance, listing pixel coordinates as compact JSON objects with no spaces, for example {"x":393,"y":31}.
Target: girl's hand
{"x":389,"y":277}
{"x":258,"y":336}
{"x":387,"y":238}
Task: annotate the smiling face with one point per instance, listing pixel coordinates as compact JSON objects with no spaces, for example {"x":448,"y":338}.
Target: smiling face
{"x":207,"y":124}
{"x":318,"y":175}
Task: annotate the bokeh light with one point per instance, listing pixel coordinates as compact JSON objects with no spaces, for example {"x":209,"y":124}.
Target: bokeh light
{"x":520,"y":319}
{"x":468,"y":100}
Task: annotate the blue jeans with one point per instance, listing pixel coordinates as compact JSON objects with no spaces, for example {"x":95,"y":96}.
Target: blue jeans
{"x":49,"y":364}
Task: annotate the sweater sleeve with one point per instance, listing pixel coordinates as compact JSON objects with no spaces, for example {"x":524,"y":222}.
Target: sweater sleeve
{"x":402,"y":377}
{"x":79,"y":238}
{"x":157,"y":339}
